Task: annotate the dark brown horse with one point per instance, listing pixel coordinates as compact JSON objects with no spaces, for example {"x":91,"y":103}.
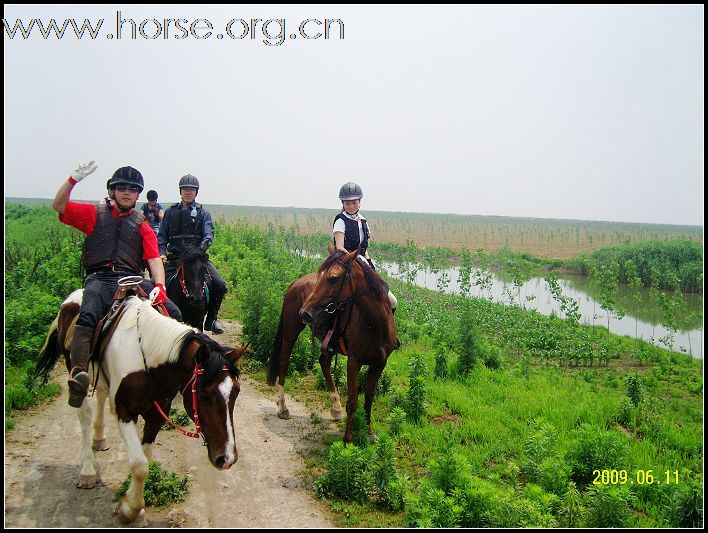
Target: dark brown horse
{"x":346,"y":296}
{"x":145,"y":363}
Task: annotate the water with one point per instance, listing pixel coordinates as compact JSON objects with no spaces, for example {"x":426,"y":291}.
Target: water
{"x":535,"y":294}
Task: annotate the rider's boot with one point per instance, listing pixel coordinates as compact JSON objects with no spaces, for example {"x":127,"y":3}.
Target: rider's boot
{"x":212,"y":323}
{"x":80,"y":354}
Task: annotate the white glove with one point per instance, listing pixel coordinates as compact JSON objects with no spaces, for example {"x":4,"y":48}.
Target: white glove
{"x":83,"y":170}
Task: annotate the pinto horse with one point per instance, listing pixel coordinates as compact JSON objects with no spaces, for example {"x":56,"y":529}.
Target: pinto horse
{"x":348,"y":296}
{"x":145,"y":363}
{"x":187,"y":287}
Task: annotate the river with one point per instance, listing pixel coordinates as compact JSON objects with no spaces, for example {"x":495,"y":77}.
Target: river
{"x":642,"y":319}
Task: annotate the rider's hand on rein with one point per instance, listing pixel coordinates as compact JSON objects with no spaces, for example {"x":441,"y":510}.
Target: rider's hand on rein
{"x":158,"y":296}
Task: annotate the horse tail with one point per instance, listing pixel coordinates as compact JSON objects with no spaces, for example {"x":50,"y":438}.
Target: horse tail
{"x":49,"y":353}
{"x":274,"y":368}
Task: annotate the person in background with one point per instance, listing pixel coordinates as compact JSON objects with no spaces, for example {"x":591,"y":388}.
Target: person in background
{"x":153,"y":211}
{"x":118,"y":243}
{"x":351,"y":230}
{"x":187,"y":224}
{"x":108,"y":200}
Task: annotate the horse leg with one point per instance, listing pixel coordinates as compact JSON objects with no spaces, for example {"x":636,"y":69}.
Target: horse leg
{"x":99,"y":434}
{"x":353,"y":368}
{"x":326,"y":364}
{"x":372,"y":379}
{"x":132,"y":503}
{"x":289,"y":338}
{"x":150,"y":430}
{"x":87,"y":476}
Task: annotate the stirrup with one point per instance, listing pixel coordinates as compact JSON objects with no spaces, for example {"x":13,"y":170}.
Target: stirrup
{"x":216,"y":327}
{"x":78,"y":388}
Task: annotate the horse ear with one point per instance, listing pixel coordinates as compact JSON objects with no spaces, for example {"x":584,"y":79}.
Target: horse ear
{"x":351,"y":256}
{"x":236,"y":354}
{"x":330,"y":247}
{"x":203,"y":354}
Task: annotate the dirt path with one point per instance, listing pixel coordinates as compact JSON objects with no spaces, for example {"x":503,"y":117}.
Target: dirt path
{"x":262,"y":490}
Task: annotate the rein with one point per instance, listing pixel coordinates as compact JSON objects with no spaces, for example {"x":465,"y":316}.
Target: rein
{"x":193,"y":380}
{"x":183,"y":283}
{"x":335,"y":306}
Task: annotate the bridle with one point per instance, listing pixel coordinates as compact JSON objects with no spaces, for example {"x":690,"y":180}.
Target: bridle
{"x":183,"y":283}
{"x":336,"y":305}
{"x":195,"y":418}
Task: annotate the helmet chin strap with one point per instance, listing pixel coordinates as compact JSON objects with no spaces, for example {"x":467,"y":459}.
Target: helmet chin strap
{"x":125,"y":209}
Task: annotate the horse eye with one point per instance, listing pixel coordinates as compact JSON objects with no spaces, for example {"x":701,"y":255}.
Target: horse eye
{"x":333,"y":280}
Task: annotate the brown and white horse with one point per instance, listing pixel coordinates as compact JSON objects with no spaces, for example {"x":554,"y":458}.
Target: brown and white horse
{"x":146,"y":362}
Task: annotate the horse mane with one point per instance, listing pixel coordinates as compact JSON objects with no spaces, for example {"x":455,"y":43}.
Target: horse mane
{"x":191,"y":253}
{"x":375,"y":282}
{"x":161,"y":337}
{"x":171,"y":337}
{"x":217,"y":361}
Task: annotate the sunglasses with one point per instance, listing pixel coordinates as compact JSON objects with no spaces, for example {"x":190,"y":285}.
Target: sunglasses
{"x":123,"y":188}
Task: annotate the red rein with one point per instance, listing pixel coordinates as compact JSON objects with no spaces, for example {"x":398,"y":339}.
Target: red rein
{"x":193,"y":381}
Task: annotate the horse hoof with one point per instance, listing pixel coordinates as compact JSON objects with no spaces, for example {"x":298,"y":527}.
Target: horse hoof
{"x":336,"y":414}
{"x":100,"y":445}
{"x":125,"y":514}
{"x":284,"y":414}
{"x":86,"y":482}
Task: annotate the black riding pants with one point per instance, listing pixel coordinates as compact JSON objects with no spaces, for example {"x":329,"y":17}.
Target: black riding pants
{"x":99,"y":289}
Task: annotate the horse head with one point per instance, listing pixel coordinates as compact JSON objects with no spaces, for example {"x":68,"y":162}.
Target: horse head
{"x":192,"y":274}
{"x":212,"y":396}
{"x":340,"y":280}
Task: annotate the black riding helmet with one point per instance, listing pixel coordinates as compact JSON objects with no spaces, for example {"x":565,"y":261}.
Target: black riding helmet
{"x":152,"y":196}
{"x":189,"y":181}
{"x":127,"y":176}
{"x":350,"y":191}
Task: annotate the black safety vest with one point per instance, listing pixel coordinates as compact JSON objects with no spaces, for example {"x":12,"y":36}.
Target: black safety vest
{"x":114,"y":242}
{"x":351,"y":234}
{"x":185,"y":229}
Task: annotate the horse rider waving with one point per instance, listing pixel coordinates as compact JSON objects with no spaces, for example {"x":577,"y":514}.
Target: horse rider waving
{"x":118,"y":243}
{"x":185,"y":224}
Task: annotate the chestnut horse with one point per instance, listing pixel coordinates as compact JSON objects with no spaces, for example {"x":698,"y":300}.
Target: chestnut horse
{"x":146,"y":362}
{"x":347,"y":295}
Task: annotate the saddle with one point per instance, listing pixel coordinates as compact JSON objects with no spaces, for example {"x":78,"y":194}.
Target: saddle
{"x":107,"y":325}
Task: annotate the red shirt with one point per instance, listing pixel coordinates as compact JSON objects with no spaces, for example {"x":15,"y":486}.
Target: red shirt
{"x":83,"y":218}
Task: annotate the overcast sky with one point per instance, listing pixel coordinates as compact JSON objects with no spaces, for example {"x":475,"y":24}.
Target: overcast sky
{"x":581,"y":112}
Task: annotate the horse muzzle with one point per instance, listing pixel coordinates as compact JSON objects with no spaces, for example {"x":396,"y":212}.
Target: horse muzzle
{"x":224,"y":463}
{"x":312,"y":317}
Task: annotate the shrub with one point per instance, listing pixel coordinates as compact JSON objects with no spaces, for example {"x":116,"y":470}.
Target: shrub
{"x":347,"y":476}
{"x":635,"y":388}
{"x":179,"y":417}
{"x":162,"y":488}
{"x":609,"y":506}
{"x":396,"y":420}
{"x":415,"y":401}
{"x":595,"y":449}
{"x":683,"y":507}
{"x":441,"y":365}
{"x":360,"y":432}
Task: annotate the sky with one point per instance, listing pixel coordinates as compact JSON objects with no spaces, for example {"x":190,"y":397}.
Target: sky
{"x":570,"y":112}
